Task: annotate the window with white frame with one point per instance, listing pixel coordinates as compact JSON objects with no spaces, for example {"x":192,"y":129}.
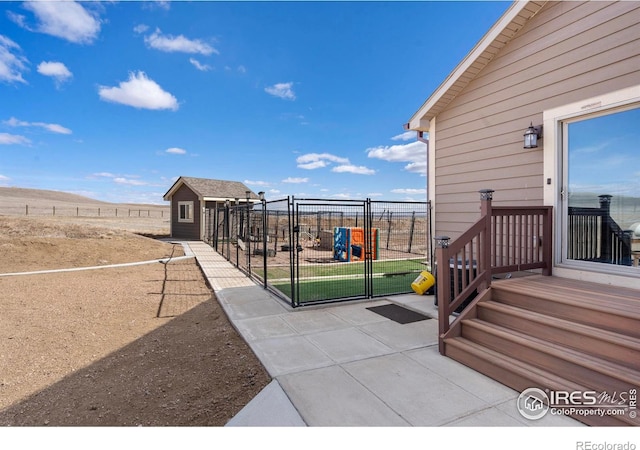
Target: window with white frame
{"x":599,"y":193}
{"x":185,"y":211}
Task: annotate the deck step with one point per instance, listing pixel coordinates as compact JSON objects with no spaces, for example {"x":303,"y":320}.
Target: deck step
{"x":608,"y":345}
{"x":584,"y":369}
{"x":520,"y":375}
{"x":618,"y":312}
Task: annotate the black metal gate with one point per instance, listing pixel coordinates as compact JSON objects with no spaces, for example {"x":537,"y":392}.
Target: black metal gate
{"x":325,"y":239}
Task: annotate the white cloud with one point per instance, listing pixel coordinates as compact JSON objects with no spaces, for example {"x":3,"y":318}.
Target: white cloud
{"x":414,"y":153}
{"x":350,"y":168}
{"x":406,"y":136}
{"x":157,"y":4}
{"x":56,"y":70}
{"x":52,"y":127}
{"x":142,"y":28}
{"x":281,"y":90}
{"x":104,"y":174}
{"x":312,"y":161}
{"x":198,"y":65}
{"x":13,"y":139}
{"x":343,"y":196}
{"x":295,"y":180}
{"x":18,"y":19}
{"x":240,"y":69}
{"x":168,"y":43}
{"x":176,"y":151}
{"x":409,"y":191}
{"x":139,"y":92}
{"x":3,"y":180}
{"x":11,"y":64}
{"x":257,"y":183}
{"x":129,"y":181}
{"x":67,"y":20}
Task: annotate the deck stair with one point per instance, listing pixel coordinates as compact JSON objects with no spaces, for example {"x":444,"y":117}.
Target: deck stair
{"x":555,"y":334}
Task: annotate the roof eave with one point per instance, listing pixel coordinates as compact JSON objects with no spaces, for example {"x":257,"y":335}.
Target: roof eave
{"x":444,"y":93}
{"x":172,"y":189}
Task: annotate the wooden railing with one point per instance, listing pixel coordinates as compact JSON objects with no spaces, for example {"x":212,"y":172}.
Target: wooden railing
{"x":595,"y":236}
{"x":504,"y":239}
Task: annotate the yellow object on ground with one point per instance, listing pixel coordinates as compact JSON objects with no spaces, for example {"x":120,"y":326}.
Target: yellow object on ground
{"x":424,"y":281}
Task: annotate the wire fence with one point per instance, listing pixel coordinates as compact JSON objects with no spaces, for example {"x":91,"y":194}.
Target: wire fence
{"x":83,"y":211}
{"x":313,"y":250}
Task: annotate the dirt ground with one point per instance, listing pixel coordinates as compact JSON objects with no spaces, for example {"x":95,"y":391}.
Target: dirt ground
{"x":143,"y":345}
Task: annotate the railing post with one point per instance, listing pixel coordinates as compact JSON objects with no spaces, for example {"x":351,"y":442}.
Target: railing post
{"x":547,"y":248}
{"x":606,"y":251}
{"x":443,"y":280}
{"x":486,"y":196}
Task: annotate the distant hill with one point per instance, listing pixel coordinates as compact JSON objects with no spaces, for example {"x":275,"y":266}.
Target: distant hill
{"x":42,"y":194}
{"x":13,"y":196}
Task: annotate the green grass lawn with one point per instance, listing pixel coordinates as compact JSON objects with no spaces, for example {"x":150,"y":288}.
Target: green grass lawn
{"x":334,"y":288}
{"x":319,"y":282}
{"x":344,"y":269}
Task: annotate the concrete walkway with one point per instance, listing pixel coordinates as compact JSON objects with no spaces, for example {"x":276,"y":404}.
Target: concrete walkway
{"x":343,"y":365}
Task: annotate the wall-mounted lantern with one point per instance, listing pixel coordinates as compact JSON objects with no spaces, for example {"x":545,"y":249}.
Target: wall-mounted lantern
{"x":531,"y":136}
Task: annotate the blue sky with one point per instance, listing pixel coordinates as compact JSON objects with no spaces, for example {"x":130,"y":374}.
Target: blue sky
{"x":116,"y":100}
{"x":603,"y":155}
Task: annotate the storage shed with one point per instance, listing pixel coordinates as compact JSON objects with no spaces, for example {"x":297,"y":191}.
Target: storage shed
{"x":191,"y":197}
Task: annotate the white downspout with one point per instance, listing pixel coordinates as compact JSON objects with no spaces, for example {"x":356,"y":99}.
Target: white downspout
{"x":425,"y":141}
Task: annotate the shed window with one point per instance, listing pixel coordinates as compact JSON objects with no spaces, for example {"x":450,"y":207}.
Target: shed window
{"x":185,"y":212}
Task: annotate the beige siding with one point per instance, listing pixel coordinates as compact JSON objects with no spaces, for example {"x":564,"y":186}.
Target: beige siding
{"x":567,"y":52}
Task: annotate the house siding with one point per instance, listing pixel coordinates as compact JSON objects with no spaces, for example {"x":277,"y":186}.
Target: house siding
{"x":567,"y":52}
{"x":185,"y":230}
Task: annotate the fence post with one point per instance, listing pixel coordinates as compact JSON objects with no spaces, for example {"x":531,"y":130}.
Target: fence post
{"x":443,"y":284}
{"x":412,"y":228}
{"x":26,"y":210}
{"x":265,"y":234}
{"x":54,"y":210}
{"x":389,"y":215}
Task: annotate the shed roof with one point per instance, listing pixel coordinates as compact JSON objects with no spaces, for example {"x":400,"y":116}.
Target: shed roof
{"x":210,"y":189}
{"x":493,"y":41}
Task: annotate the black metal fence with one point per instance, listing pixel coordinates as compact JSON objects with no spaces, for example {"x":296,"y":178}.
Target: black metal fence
{"x":311,"y":251}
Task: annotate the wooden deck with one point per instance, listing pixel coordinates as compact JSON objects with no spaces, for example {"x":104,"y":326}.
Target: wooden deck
{"x":556,"y":334}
